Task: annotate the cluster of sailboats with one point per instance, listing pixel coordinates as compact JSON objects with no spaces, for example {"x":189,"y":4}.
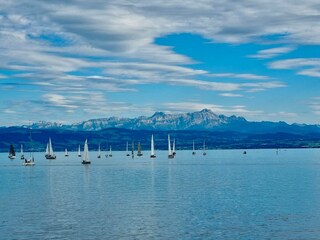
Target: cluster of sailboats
{"x":50,"y":155}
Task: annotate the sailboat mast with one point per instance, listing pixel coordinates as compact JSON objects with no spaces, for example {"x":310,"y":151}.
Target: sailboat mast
{"x":152,"y":145}
{"x":169,"y":146}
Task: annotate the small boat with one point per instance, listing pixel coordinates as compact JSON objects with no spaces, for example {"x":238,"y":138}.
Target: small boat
{"x":49,"y":151}
{"x":66,"y":154}
{"x":127,"y":150}
{"x":174,"y":147}
{"x":79,"y":151}
{"x":193,"y":150}
{"x":132,"y":149}
{"x":12,"y":152}
{"x":86,"y":153}
{"x":244,"y":152}
{"x":170,"y":155}
{"x":21,"y":153}
{"x":110,"y":152}
{"x":99,"y":152}
{"x":30,"y":160}
{"x":204,"y":148}
{"x":139,"y":154}
{"x":152,"y":155}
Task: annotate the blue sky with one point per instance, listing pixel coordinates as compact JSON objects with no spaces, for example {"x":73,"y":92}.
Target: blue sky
{"x":69,"y":61}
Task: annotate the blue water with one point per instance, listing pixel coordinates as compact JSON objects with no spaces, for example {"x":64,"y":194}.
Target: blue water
{"x":224,"y":195}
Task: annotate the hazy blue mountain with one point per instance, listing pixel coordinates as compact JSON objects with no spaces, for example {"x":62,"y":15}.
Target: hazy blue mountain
{"x":202,"y":120}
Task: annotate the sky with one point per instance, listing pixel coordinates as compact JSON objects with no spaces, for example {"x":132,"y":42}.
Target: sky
{"x":70,"y":61}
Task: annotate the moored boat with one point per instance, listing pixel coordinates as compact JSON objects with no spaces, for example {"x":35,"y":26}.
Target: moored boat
{"x":86,"y":159}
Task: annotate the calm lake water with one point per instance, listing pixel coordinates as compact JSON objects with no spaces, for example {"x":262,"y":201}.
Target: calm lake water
{"x":224,"y":195}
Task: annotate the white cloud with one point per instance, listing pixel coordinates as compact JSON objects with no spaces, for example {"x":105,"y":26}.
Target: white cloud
{"x":272,"y":52}
{"x":314,"y":104}
{"x":230,"y":95}
{"x":246,"y":76}
{"x":304,"y":66}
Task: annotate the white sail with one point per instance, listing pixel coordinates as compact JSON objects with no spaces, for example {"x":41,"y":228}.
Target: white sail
{"x":79,"y":151}
{"x":66,"y":152}
{"x":174,"y":147}
{"x":170,"y":155}
{"x":110,"y":152}
{"x":47,"y":149}
{"x":50,"y":147}
{"x":86,"y":152}
{"x":204,"y":148}
{"x":29,"y":161}
{"x":127,"y":149}
{"x":152,"y":147}
{"x":193,"y":146}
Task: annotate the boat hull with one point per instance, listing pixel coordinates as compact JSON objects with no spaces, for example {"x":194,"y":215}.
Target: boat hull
{"x":86,"y":162}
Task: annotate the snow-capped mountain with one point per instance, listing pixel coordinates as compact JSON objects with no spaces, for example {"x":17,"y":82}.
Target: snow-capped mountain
{"x":202,"y":120}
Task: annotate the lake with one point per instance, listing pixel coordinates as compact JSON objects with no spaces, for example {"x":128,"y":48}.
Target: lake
{"x":223,"y":195}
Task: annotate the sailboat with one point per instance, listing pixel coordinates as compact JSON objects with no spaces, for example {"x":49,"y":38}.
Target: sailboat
{"x":174,"y":147}
{"x":66,"y":154}
{"x":127,"y":150}
{"x":86,"y":153}
{"x":132,"y":149}
{"x":110,"y":152}
{"x":79,"y":151}
{"x":204,"y":148}
{"x":152,"y":155}
{"x":21,"y":152}
{"x":50,"y":155}
{"x":30,"y":160}
{"x":12,"y":152}
{"x":170,"y":155}
{"x":139,"y":154}
{"x":193,"y":150}
{"x":99,"y":152}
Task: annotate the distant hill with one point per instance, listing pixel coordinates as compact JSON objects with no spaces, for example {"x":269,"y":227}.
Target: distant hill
{"x":218,"y":131}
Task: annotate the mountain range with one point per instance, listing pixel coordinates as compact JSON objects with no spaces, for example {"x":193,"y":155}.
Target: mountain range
{"x":204,"y":120}
{"x":219,"y":131}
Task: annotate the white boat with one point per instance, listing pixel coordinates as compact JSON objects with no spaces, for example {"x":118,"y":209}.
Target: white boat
{"x":139,"y":154}
{"x":174,"y":147}
{"x":86,"y":153}
{"x":127,"y":150}
{"x":110,"y":152}
{"x":66,"y":154}
{"x":99,"y":152}
{"x":193,"y":150}
{"x":30,"y":160}
{"x":12,"y":152}
{"x":49,"y":154}
{"x":21,"y":152}
{"x":152,"y":154}
{"x":170,"y":155}
{"x":204,"y":148}
{"x":79,"y":151}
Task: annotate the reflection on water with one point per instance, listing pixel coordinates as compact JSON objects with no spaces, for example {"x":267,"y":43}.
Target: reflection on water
{"x":224,"y":195}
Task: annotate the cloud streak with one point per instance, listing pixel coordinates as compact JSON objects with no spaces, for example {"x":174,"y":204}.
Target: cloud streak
{"x":271,"y":52}
{"x":304,"y":66}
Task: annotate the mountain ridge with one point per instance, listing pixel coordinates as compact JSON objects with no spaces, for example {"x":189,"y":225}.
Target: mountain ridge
{"x":201,"y":120}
